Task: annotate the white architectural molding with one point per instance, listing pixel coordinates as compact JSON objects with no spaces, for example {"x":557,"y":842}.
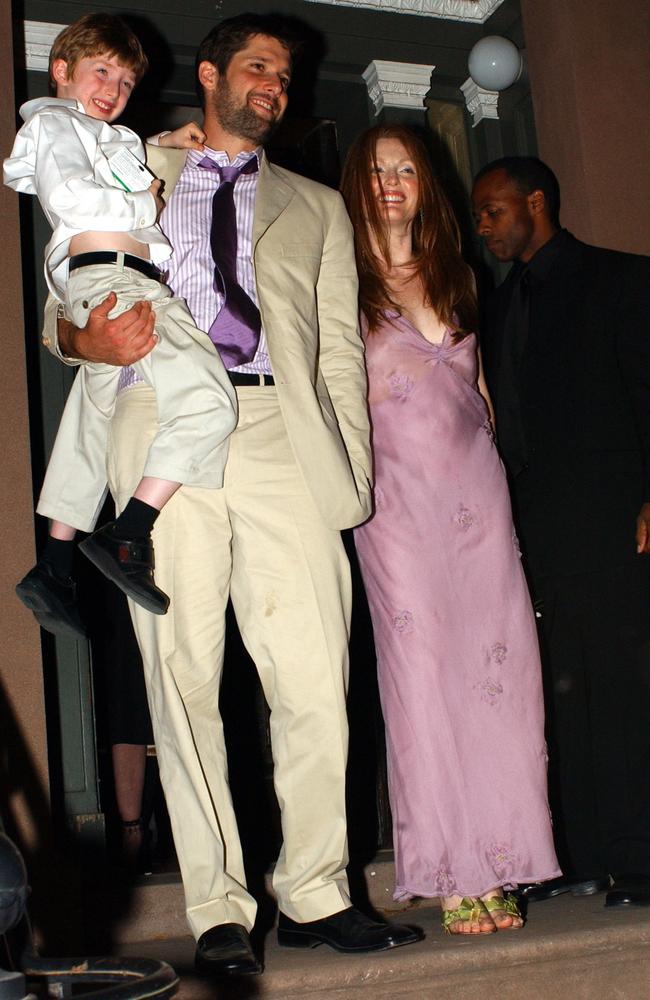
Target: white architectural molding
{"x":39,"y":36}
{"x":473,"y":11}
{"x":480,"y":103}
{"x":397,"y":85}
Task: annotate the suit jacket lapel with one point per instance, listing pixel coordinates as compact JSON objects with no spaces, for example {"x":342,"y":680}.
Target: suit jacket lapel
{"x":273,"y":196}
{"x":166,"y":164}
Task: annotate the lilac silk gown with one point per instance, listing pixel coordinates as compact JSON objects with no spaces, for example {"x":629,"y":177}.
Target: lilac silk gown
{"x":458,"y":661}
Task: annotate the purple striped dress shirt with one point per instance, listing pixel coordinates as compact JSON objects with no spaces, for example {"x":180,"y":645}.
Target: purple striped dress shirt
{"x":185,"y":222}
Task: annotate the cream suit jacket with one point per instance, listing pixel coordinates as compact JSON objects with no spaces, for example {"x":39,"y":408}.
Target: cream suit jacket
{"x":307,"y":290}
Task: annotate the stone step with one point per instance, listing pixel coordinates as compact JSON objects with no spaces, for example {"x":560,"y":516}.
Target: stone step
{"x":569,"y":948}
{"x":155,"y":906}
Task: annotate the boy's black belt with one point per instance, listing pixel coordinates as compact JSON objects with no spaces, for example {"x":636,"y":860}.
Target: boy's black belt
{"x":111,"y":257}
{"x":151,"y":271}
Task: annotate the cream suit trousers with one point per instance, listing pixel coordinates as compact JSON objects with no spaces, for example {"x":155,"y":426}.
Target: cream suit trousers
{"x":261,"y":539}
{"x":195,"y":400}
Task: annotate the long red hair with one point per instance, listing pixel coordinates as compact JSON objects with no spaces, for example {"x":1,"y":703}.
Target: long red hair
{"x":447,"y":280}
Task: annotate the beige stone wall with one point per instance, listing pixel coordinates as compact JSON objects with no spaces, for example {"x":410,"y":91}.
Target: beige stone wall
{"x":24,"y":796}
{"x":590,"y":80}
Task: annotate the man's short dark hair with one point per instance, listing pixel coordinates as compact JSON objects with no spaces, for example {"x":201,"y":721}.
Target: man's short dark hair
{"x":230,"y":36}
{"x":529,"y":174}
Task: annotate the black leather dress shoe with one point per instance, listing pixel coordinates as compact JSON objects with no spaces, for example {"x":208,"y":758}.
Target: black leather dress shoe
{"x":129,"y":564}
{"x":52,"y":600}
{"x":629,"y":890}
{"x":534,"y":892}
{"x":348,"y":931}
{"x":225,"y":951}
{"x":589,"y":886}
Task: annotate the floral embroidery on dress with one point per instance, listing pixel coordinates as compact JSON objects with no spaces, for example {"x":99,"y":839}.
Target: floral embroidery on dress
{"x":499,"y":652}
{"x":502,"y":858}
{"x":444,"y":883}
{"x":464,"y":518}
{"x":403,"y":622}
{"x":489,"y":429}
{"x":401,"y":386}
{"x":490,"y":691}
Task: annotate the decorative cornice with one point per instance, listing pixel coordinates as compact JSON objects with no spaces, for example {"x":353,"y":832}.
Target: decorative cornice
{"x":480,"y":103}
{"x":474,"y":11}
{"x":39,"y":36}
{"x":397,"y":85}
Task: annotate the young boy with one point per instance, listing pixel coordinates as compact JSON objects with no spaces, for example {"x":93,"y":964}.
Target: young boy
{"x":106,"y":239}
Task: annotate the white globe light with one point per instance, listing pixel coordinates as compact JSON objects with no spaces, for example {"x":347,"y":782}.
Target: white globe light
{"x":494,"y":63}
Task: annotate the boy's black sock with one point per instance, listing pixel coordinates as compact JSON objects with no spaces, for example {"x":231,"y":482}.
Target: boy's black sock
{"x":136,"y":520}
{"x":59,"y":555}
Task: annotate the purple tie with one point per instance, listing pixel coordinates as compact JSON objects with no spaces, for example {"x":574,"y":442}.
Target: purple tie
{"x":236,"y":330}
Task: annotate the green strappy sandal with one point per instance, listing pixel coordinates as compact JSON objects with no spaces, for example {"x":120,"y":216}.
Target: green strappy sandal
{"x":470,"y":910}
{"x":503,"y":904}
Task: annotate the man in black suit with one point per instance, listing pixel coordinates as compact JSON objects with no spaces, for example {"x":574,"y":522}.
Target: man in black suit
{"x":566,"y":348}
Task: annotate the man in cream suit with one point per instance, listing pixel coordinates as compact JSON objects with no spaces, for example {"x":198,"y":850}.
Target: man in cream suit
{"x":297,"y":473}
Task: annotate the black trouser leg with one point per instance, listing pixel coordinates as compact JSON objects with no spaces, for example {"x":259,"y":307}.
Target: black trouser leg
{"x":596,"y":634}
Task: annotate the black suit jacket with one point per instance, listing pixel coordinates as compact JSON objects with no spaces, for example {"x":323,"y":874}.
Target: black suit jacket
{"x":584,"y":390}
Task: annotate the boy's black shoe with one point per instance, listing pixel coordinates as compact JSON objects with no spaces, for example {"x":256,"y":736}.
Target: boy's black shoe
{"x":129,"y":563}
{"x":52,"y":600}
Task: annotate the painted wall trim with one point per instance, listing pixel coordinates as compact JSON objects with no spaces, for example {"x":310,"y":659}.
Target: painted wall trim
{"x":480,"y":103}
{"x":473,"y":11}
{"x":397,"y":85}
{"x":39,"y":36}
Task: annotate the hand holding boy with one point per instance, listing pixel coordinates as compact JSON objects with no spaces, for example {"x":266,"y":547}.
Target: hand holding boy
{"x":120,"y":341}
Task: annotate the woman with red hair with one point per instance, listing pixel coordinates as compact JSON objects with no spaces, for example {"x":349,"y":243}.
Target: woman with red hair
{"x":457,"y":654}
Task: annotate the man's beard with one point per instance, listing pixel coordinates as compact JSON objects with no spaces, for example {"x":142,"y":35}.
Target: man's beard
{"x":240,"y":120}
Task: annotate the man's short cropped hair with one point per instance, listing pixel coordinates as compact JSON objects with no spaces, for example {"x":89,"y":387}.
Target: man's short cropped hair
{"x":232,"y":35}
{"x":98,"y":35}
{"x":528,"y":174}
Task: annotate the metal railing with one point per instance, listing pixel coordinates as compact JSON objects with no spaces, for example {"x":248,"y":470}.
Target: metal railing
{"x":125,"y":978}
{"x":117,"y":978}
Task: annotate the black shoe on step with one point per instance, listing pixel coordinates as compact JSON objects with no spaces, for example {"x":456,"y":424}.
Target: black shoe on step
{"x":629,"y":890}
{"x":52,"y":600}
{"x":535,"y":892}
{"x":349,"y":931}
{"x":225,"y":951}
{"x":129,"y":563}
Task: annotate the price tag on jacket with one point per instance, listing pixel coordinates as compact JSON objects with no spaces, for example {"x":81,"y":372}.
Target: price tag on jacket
{"x":128,"y":171}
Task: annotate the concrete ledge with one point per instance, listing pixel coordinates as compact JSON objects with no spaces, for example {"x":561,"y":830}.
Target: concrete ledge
{"x":155,"y":906}
{"x":569,"y":947}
